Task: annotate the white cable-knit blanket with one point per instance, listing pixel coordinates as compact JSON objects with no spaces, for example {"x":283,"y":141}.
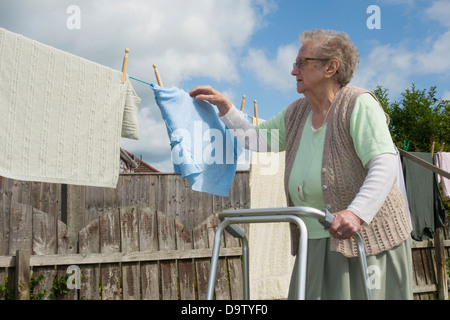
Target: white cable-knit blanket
{"x":61,"y":116}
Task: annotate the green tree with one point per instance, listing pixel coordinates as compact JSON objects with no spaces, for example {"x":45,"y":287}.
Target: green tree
{"x":419,"y":118}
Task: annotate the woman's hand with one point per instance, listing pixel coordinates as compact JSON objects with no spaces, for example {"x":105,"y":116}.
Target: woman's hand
{"x":345,"y":225}
{"x":213,"y":96}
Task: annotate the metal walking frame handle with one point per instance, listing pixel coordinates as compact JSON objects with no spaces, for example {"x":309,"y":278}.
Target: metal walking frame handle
{"x":230,"y":219}
{"x":326,"y":222}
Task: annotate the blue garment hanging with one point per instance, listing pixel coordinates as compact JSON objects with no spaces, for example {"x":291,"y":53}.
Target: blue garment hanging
{"x":203,"y":150}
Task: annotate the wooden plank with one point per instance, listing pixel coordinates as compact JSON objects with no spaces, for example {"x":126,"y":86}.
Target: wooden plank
{"x":186,"y":266}
{"x":66,"y":245}
{"x":130,"y":243}
{"x":127,"y":182}
{"x":73,"y":210}
{"x":441,"y":268}
{"x":3,"y":278}
{"x":20,"y":227}
{"x":203,"y":236}
{"x":236,"y":277}
{"x":89,"y":243}
{"x":4,"y":228}
{"x":90,"y":211}
{"x":119,"y":257}
{"x":143,"y":191}
{"x":419,"y":272}
{"x":148,"y":243}
{"x":200,"y":237}
{"x":425,"y":288}
{"x":110,"y":243}
{"x":162,"y":191}
{"x":153,"y":182}
{"x":44,"y":233}
{"x":23,"y":274}
{"x":44,"y":243}
{"x":166,"y":237}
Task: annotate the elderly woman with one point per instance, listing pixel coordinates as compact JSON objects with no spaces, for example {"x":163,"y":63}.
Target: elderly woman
{"x":339,"y":156}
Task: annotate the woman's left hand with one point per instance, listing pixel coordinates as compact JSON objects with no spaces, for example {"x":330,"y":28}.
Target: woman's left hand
{"x":345,"y":225}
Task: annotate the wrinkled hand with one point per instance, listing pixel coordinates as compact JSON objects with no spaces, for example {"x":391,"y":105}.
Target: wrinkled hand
{"x":345,"y":225}
{"x":213,"y":96}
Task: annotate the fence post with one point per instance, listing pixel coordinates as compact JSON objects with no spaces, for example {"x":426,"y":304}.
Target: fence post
{"x":70,"y":209}
{"x":23,"y":274}
{"x":439,"y":251}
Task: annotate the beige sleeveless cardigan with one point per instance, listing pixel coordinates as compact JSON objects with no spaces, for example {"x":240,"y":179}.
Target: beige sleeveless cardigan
{"x":343,"y":174}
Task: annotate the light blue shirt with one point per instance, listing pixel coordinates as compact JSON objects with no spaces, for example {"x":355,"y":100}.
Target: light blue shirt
{"x":203,"y":150}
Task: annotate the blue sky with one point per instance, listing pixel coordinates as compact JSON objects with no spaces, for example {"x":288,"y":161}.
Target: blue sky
{"x":241,"y":47}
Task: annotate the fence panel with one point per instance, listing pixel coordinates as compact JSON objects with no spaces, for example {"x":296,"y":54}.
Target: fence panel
{"x":149,"y":238}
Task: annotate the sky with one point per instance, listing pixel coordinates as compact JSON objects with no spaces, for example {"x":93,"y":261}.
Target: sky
{"x":240,"y":47}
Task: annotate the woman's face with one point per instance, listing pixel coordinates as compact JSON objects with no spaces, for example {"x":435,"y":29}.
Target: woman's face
{"x":311,"y":73}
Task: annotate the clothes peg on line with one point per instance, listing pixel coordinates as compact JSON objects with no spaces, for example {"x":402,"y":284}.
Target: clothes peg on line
{"x":255,"y":107}
{"x":442,"y":147}
{"x":158,"y":77}
{"x":124,"y":65}
{"x":243,"y":103}
{"x":432,"y":150}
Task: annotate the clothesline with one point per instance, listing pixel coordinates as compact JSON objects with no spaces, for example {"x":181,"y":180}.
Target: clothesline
{"x":139,"y":80}
{"x":419,"y":161}
{"x":425,"y":164}
{"x":148,"y":83}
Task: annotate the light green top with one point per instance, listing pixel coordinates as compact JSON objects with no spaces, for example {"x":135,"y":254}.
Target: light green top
{"x":371,"y":138}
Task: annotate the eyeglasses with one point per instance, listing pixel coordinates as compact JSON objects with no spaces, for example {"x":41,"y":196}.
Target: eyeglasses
{"x":301,"y":63}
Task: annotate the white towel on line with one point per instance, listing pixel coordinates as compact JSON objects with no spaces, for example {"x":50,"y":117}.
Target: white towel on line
{"x":443,"y":162}
{"x":270,"y":256}
{"x":62,"y":116}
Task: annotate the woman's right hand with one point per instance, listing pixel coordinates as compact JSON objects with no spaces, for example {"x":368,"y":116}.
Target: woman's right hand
{"x":213,"y":96}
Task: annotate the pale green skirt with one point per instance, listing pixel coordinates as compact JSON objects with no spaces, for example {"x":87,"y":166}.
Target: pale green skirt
{"x":332,"y":276}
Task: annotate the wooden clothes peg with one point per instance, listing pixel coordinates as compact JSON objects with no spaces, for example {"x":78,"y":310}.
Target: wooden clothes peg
{"x":432,"y":150}
{"x":243,"y":103}
{"x":442,"y":147}
{"x":124,"y":65}
{"x":158,"y":77}
{"x":255,"y":107}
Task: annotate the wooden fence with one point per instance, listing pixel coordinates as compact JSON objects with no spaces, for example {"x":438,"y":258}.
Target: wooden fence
{"x":150,"y":238}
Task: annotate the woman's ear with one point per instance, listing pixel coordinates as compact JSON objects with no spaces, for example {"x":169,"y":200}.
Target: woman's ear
{"x":333,"y":67}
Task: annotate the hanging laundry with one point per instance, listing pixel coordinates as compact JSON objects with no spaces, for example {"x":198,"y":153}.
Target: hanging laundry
{"x":401,"y":184}
{"x":443,"y":162}
{"x":62,"y":115}
{"x":204,"y":151}
{"x":425,"y":203}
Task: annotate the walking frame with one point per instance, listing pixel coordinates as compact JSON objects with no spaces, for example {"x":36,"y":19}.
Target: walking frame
{"x":230,"y":218}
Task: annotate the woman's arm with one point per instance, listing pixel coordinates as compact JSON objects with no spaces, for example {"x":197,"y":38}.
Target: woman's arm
{"x":247,"y":134}
{"x":369,"y":199}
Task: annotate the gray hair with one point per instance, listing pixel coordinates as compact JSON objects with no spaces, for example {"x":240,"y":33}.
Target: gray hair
{"x":331,"y":44}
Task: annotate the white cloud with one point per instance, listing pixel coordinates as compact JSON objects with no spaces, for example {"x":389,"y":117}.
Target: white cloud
{"x":440,"y":10}
{"x":394,"y":66}
{"x":436,"y":60}
{"x":275,"y":73}
{"x":386,"y":65}
{"x":184,"y":38}
{"x":446,"y":95}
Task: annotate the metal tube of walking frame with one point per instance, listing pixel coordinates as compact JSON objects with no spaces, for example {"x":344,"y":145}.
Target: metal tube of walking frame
{"x":363,"y":265}
{"x":214,"y":260}
{"x":302,"y":251}
{"x":246,"y":268}
{"x":285,"y":214}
